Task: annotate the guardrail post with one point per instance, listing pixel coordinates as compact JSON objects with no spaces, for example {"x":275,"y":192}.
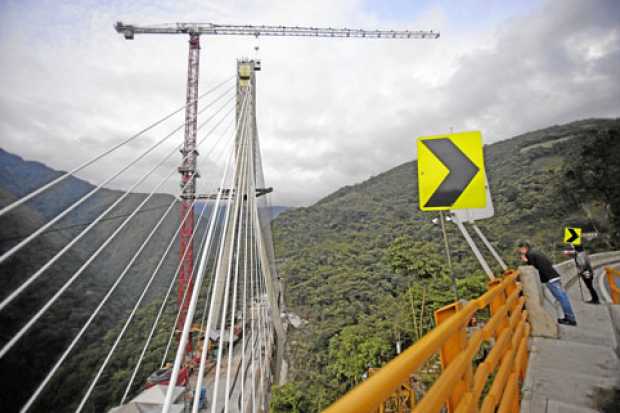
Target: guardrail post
{"x":496,"y":305}
{"x":450,"y":350}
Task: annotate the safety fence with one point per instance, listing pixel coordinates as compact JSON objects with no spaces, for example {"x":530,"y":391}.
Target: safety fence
{"x":467,"y":383}
{"x":613,"y":276}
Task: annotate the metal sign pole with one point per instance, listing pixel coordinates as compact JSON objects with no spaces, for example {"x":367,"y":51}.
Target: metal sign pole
{"x":448,"y":255}
{"x":489,"y":246}
{"x":474,"y":248}
{"x":580,"y":287}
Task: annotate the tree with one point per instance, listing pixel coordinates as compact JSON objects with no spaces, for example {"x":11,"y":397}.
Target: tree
{"x":353,"y":351}
{"x":415,"y":258}
{"x":288,"y":398}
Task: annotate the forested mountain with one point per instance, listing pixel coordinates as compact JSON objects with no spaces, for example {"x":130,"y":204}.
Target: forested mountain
{"x":20,"y":177}
{"x":363,"y":266}
{"x":42,"y":345}
{"x":35,"y":354}
{"x":366,"y":268}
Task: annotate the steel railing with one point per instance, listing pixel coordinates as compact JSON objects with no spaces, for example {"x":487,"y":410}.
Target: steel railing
{"x":465,"y":384}
{"x":612,"y":280}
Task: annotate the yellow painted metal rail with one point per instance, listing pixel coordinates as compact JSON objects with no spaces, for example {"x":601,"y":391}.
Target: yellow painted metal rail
{"x":612,"y":280}
{"x":494,"y":383}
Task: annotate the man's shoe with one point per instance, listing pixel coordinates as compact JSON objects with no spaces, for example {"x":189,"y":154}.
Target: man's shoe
{"x":567,"y":321}
{"x":592,"y":302}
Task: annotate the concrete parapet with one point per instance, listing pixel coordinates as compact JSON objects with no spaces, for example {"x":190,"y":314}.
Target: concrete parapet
{"x":568,"y":270}
{"x":569,"y":276}
{"x":543,"y":324}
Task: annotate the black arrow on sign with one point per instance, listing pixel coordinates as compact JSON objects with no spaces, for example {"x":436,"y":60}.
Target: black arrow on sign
{"x":573,"y":236}
{"x":461,"y":171}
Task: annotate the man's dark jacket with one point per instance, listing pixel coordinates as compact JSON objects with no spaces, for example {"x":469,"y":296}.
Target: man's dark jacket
{"x":543,"y":265}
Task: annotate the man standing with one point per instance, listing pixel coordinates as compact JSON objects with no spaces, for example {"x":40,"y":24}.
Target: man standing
{"x":584,"y":268}
{"x":550,"y":277}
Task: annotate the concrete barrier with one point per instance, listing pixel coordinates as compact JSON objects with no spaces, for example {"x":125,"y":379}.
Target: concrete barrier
{"x":541,"y":306}
{"x":542,"y":322}
{"x":568,"y":270}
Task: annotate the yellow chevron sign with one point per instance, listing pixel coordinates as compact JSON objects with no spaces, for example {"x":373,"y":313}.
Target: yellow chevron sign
{"x":451,"y":172}
{"x":572,"y":236}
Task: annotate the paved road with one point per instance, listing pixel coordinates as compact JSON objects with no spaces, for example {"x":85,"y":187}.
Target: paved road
{"x":580,"y":372}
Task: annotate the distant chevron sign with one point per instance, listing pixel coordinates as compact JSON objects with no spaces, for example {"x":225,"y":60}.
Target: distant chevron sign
{"x":451,"y":172}
{"x":572,"y":235}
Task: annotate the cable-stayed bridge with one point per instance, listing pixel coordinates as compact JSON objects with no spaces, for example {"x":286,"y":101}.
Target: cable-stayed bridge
{"x":228,"y":333}
{"x":227,"y":330}
{"x":225,"y":347}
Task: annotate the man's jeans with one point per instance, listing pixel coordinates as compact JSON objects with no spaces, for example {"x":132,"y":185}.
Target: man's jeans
{"x":558,"y":292}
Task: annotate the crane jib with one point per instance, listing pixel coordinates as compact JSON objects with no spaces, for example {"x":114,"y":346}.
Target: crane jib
{"x":247,"y":30}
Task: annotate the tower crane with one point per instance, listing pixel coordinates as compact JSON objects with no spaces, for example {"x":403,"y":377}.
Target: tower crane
{"x":188,"y":169}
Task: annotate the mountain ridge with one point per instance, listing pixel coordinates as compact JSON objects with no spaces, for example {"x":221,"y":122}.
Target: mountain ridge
{"x":346,"y":261}
{"x":19,"y":177}
{"x":349,"y":264}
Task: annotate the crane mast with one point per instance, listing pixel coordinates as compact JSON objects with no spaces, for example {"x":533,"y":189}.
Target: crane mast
{"x":188,"y":170}
{"x":189,"y":174}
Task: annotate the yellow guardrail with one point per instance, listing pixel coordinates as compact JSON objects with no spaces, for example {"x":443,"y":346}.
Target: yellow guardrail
{"x":462,"y":386}
{"x":612,"y":277}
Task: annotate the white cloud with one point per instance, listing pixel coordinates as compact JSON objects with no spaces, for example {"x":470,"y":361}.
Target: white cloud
{"x":330,"y":112}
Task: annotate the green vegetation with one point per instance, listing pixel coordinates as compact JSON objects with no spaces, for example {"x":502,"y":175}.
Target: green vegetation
{"x":594,"y":177}
{"x":367,"y":269}
{"x":363,"y":266}
{"x":414,"y":259}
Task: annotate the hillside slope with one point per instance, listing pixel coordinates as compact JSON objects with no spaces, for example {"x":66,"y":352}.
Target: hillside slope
{"x":40,"y":347}
{"x":31,"y":358}
{"x":354,"y":261}
{"x":356,"y":265}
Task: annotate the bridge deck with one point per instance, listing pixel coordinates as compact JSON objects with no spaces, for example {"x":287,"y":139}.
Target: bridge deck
{"x":580,"y":371}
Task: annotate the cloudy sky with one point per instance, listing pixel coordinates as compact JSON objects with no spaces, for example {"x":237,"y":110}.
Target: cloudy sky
{"x":331,"y":112}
